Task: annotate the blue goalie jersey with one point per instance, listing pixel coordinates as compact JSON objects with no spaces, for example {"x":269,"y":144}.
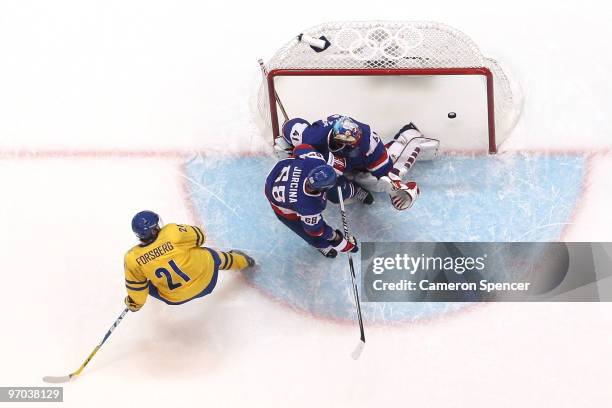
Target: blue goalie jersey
{"x":286,"y":192}
{"x":369,"y":155}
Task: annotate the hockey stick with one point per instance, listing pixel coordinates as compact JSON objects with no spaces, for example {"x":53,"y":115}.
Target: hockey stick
{"x":264,"y":71}
{"x":357,"y":352}
{"x":66,"y":378}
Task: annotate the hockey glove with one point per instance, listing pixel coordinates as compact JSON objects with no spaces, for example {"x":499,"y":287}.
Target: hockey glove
{"x":282,"y":149}
{"x":344,"y":244}
{"x":402,"y":195}
{"x":133,"y":306}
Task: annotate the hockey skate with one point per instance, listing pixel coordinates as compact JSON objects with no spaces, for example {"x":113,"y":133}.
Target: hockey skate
{"x":250,"y":261}
{"x":363,"y":196}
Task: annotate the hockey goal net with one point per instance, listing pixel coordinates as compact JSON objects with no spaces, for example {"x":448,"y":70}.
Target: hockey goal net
{"x":388,"y":74}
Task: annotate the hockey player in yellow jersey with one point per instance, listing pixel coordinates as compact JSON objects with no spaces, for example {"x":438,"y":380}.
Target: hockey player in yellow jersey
{"x":170,"y":263}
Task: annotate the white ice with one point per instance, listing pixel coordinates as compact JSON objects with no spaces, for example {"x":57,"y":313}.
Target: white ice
{"x":101,"y":101}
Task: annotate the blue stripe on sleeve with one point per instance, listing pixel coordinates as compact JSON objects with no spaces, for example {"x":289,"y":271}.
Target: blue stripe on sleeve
{"x":202,"y":238}
{"x":137,"y":289}
{"x":198,"y":236}
{"x":135,"y":282}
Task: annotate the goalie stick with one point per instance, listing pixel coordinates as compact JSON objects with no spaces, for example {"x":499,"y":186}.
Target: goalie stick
{"x":264,"y":71}
{"x":357,"y":352}
{"x":66,"y":378}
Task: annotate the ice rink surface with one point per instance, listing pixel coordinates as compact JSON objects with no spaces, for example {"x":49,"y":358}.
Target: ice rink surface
{"x":107,"y":108}
{"x":482,"y":198}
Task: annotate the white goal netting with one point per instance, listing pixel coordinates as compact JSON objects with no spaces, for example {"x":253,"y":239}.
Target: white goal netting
{"x":398,"y":45}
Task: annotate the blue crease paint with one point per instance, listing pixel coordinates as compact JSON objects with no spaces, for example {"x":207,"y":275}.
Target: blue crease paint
{"x":481,"y":198}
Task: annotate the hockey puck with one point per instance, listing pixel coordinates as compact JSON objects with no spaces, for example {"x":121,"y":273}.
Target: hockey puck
{"x":452,"y":115}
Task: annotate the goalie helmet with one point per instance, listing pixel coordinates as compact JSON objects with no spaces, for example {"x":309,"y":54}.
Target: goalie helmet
{"x":346,"y":132}
{"x":321,"y":178}
{"x":146,"y":226}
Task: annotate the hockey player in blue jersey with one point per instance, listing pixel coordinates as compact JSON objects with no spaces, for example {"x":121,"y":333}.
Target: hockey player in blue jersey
{"x":298,"y":189}
{"x":362,"y":154}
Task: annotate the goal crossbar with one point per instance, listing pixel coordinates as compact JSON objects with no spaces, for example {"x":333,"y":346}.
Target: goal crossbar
{"x":482,"y":71}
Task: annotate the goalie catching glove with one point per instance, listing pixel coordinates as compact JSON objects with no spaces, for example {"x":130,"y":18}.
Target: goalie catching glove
{"x":402,"y":195}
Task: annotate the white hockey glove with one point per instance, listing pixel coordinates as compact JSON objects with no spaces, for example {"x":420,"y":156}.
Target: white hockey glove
{"x":282,"y":149}
{"x":402,"y":195}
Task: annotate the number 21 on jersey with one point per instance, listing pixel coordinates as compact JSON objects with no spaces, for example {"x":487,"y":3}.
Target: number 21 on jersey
{"x":163,"y":272}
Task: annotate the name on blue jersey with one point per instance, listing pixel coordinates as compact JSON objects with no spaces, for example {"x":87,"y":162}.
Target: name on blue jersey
{"x":295,"y":184}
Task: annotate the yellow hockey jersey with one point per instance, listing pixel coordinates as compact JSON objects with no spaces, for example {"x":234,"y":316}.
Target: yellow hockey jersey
{"x":174,"y":263}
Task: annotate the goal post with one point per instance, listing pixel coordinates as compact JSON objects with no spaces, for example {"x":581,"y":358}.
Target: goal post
{"x":390,"y":73}
{"x":484,"y":72}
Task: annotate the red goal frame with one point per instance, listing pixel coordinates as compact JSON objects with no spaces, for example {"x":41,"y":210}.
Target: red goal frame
{"x":483,"y":71}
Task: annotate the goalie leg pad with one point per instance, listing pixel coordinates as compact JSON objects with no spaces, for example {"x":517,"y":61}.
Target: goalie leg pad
{"x":401,"y":149}
{"x":370,"y":183}
{"x":417,"y":148}
{"x":429,"y":147}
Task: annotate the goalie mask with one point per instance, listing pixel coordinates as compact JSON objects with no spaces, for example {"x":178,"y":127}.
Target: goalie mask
{"x":346,"y":132}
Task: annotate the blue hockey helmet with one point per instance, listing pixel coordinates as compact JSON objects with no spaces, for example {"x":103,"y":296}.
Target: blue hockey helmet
{"x":321,"y":178}
{"x":346,"y":132}
{"x":146,"y":225}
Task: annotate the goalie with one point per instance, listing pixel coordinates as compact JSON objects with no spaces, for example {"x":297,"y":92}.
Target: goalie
{"x":358,"y":150}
